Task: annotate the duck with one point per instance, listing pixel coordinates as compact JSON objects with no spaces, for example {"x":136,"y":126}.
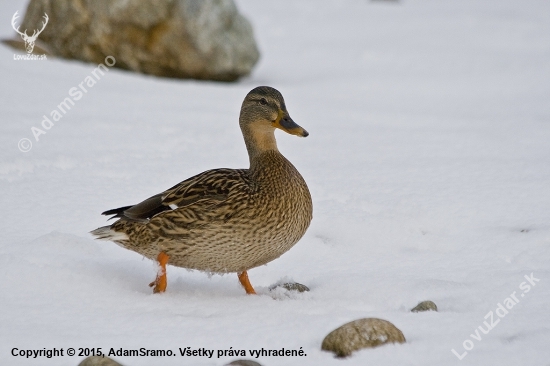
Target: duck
{"x":224,"y":220}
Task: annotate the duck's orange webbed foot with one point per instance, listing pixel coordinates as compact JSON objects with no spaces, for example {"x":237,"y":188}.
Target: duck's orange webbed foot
{"x":243,"y":278}
{"x":160,"y":282}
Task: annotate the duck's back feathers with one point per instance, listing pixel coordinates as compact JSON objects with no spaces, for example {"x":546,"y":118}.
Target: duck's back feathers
{"x":216,"y":185}
{"x":212,"y":186}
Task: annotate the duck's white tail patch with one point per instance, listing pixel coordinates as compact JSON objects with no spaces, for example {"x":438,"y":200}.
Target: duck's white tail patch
{"x":106,"y":233}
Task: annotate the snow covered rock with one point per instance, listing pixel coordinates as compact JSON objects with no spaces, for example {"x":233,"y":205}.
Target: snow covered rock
{"x":425,"y":306}
{"x":359,"y":334}
{"x":291,"y":286}
{"x":199,"y":39}
{"x":98,"y":361}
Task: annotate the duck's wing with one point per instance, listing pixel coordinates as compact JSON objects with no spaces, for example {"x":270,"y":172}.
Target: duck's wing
{"x":208,"y":188}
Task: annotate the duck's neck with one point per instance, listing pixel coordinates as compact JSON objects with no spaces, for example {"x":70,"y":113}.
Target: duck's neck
{"x":258,"y":142}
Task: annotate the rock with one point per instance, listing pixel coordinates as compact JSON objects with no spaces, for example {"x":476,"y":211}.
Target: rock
{"x":291,"y":286}
{"x":243,"y":363}
{"x":198,"y":39}
{"x":98,"y":361}
{"x":359,"y":334}
{"x":425,"y":306}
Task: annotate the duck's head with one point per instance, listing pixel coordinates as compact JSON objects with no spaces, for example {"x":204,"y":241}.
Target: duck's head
{"x":263,"y":111}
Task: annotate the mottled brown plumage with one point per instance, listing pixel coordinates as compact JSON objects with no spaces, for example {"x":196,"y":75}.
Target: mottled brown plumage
{"x":226,"y":220}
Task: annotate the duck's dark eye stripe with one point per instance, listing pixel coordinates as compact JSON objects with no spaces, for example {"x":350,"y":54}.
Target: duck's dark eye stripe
{"x":263,"y":101}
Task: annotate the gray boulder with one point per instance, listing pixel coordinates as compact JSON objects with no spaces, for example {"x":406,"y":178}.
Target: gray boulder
{"x":359,"y":334}
{"x":198,"y":39}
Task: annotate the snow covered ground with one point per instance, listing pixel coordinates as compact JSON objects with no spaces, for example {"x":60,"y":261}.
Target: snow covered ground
{"x":428,"y":161}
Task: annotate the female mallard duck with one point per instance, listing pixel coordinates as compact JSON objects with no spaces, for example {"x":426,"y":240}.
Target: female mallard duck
{"x":225,"y":220}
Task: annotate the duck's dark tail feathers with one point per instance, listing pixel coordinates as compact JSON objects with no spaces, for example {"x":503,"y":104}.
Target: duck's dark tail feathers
{"x":117,"y":212}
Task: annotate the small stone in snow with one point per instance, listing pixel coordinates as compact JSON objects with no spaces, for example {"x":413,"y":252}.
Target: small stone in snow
{"x":98,"y":361}
{"x":425,"y":306}
{"x":243,"y":363}
{"x":359,"y":334}
{"x":291,"y":286}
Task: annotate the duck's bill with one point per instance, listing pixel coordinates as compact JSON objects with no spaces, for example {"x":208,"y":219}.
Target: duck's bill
{"x":285,"y":123}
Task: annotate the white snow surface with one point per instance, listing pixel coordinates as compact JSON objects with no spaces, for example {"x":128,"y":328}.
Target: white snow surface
{"x":428,"y":161}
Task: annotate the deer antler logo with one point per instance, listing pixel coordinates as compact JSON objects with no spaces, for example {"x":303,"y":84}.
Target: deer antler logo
{"x":29,"y":40}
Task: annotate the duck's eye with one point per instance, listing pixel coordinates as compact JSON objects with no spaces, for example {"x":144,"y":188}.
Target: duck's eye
{"x":263,"y":101}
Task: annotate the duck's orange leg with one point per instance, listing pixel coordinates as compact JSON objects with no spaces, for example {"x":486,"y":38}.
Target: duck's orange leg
{"x":243,"y":278}
{"x":160,"y":282}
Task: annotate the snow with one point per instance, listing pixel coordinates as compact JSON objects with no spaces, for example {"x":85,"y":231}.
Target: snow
{"x":428,"y":161}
